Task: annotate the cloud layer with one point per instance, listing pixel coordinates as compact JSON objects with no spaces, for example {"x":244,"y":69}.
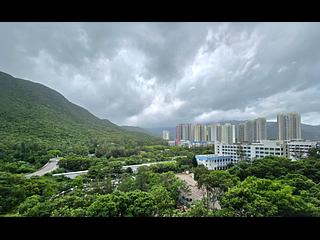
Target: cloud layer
{"x":160,"y":74}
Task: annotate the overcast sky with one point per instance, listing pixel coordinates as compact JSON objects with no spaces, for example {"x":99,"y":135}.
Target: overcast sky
{"x":160,"y":74}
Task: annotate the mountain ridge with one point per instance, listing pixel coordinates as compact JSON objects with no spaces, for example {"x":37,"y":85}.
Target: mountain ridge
{"x":33,"y":112}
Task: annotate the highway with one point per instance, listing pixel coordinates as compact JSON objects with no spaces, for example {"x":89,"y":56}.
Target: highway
{"x":50,"y":166}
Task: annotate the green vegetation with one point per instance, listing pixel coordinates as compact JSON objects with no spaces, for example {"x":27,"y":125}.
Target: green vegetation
{"x":272,"y":186}
{"x":37,"y":123}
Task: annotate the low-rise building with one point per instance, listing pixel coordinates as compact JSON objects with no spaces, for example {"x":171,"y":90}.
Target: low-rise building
{"x":299,"y":148}
{"x":251,"y":151}
{"x":214,"y":161}
{"x":293,"y":149}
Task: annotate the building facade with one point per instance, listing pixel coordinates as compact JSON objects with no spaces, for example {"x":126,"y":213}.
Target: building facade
{"x":214,"y":161}
{"x":299,"y":149}
{"x":228,"y":134}
{"x":294,"y":149}
{"x":260,"y":129}
{"x":240,"y":133}
{"x":251,"y":151}
{"x":199,"y":132}
{"x":249,"y":131}
{"x":165,"y":135}
{"x":184,"y":132}
{"x":289,"y":126}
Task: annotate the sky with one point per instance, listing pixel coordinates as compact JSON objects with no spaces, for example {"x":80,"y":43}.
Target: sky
{"x":161,"y":74}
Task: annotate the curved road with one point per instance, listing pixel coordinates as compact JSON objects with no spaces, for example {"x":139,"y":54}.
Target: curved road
{"x":50,"y":166}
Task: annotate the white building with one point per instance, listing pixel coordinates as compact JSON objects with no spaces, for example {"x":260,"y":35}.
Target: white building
{"x":165,"y":135}
{"x":299,"y":149}
{"x":199,"y":132}
{"x":290,"y":149}
{"x":214,"y":161}
{"x":251,"y":151}
{"x":184,"y":143}
{"x":228,"y":134}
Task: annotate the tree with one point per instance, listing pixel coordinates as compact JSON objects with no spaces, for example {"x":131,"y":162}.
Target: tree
{"x":265,"y":197}
{"x":104,"y":206}
{"x":314,"y":152}
{"x":54,"y":153}
{"x":165,"y":204}
{"x":269,"y":167}
{"x":198,"y":209}
{"x":142,"y":204}
{"x":34,"y":207}
{"x":199,"y":171}
{"x":215,"y":184}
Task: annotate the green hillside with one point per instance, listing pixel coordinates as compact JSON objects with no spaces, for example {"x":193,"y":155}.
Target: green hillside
{"x":31,"y":113}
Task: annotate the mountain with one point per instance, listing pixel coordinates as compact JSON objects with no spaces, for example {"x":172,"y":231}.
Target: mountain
{"x":137,"y":129}
{"x":33,"y":112}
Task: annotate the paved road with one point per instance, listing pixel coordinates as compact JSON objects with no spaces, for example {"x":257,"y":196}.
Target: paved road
{"x":135,"y":167}
{"x":72,"y":175}
{"x":50,"y":166}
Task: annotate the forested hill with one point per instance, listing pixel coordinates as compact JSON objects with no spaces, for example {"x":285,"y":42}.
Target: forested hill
{"x":32,"y":112}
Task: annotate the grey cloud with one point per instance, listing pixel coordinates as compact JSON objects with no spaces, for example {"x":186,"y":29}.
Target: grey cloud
{"x":159,"y":74}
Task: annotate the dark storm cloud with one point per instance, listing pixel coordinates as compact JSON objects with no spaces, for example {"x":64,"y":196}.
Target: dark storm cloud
{"x":159,"y":74}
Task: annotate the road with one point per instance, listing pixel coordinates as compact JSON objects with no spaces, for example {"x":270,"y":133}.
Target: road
{"x":135,"y":167}
{"x":71,"y":175}
{"x":50,"y":166}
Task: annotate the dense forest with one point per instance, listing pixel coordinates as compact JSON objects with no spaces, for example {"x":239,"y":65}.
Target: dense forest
{"x":273,"y":186}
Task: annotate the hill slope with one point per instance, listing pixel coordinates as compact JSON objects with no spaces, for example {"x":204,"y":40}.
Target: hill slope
{"x":137,"y":129}
{"x":31,"y":111}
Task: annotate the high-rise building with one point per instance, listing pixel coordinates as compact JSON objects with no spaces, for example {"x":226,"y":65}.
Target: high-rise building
{"x":289,"y":126}
{"x":179,"y":132}
{"x":240,"y":132}
{"x":252,"y":130}
{"x":213,"y":131}
{"x":183,"y":132}
{"x":260,"y":129}
{"x":165,"y":135}
{"x":199,"y":133}
{"x":207,"y":132}
{"x":218,"y":129}
{"x":210,"y":132}
{"x":249,"y":131}
{"x":228,"y":134}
